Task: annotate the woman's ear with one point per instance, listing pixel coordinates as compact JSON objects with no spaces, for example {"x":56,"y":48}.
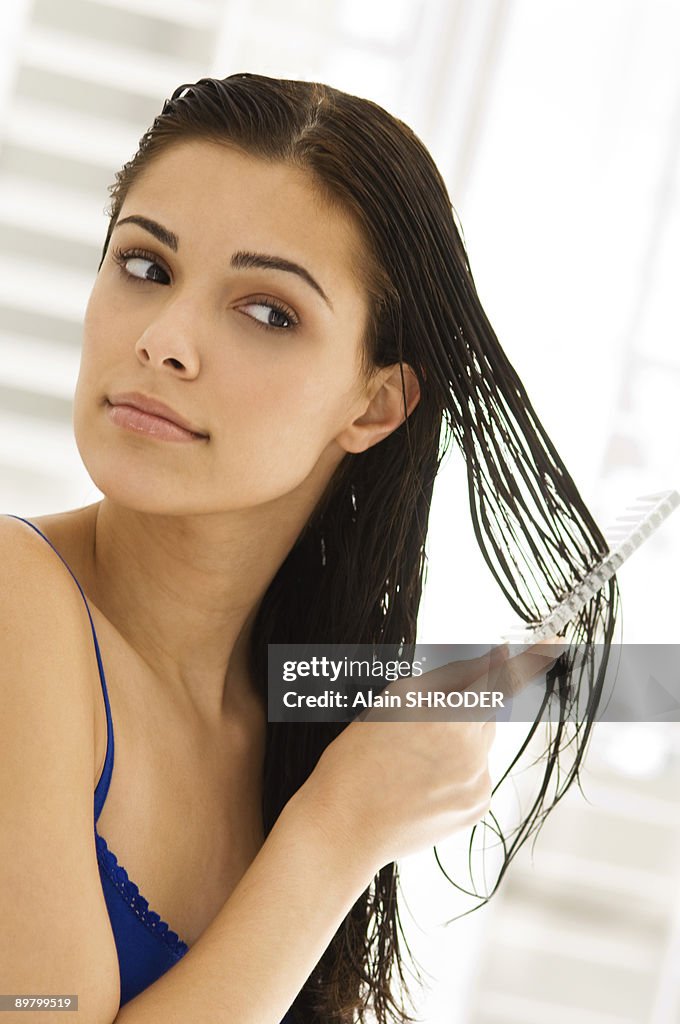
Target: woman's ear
{"x":385,"y":410}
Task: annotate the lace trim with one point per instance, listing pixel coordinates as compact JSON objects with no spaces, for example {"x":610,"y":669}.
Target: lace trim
{"x":130,"y":893}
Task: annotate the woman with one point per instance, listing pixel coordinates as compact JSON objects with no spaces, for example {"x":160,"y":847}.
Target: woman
{"x":283,"y":282}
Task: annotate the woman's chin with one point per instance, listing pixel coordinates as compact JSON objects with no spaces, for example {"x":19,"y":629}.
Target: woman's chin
{"x":136,"y":485}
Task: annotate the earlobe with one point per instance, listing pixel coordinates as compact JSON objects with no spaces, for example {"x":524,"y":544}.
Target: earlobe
{"x":385,"y":411}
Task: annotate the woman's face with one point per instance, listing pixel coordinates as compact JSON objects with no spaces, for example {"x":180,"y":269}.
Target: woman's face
{"x":255,"y":358}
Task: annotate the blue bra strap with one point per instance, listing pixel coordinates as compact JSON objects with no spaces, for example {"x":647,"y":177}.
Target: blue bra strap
{"x":102,"y":788}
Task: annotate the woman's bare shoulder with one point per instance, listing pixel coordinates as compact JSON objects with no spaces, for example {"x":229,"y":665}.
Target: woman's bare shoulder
{"x":20,"y":547}
{"x":69,"y":533}
{"x":26,"y":557}
{"x":37,"y":587}
{"x":44,"y":622}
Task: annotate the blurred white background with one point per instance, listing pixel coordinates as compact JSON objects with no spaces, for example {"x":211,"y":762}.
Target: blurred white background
{"x":557,"y":128}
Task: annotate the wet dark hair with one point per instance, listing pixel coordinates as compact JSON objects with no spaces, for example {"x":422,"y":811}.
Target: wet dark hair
{"x":355,"y":573}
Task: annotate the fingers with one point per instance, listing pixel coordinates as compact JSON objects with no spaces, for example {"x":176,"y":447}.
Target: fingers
{"x":516,"y":672}
{"x":469,"y":672}
{"x":513,"y":674}
{"x":494,"y":678}
{"x":505,"y":676}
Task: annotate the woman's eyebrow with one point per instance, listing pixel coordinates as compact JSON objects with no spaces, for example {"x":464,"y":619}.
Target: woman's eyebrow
{"x":163,"y":235}
{"x":242,"y":260}
{"x":239,"y":261}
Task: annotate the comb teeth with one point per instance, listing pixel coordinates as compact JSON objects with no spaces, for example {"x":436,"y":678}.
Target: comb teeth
{"x":631,"y":528}
{"x":641,"y":518}
{"x":671,"y":495}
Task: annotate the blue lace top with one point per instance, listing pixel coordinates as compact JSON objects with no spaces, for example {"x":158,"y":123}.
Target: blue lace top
{"x":146,"y":945}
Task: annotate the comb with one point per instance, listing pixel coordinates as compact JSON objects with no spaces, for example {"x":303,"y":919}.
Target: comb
{"x":631,"y":529}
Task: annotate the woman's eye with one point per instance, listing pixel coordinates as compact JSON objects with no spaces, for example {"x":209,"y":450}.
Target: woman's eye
{"x":136,"y":267}
{"x":273,"y":315}
{"x":141,"y":267}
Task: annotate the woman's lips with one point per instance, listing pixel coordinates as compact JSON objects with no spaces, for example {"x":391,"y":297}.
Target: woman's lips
{"x":129,"y":417}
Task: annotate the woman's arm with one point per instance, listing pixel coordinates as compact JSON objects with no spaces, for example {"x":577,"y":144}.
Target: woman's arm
{"x":255,"y":956}
{"x":55,"y":934}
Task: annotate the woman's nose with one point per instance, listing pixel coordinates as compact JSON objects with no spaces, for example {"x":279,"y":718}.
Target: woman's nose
{"x":169,"y":344}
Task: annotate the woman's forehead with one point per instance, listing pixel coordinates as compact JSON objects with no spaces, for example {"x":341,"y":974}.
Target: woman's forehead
{"x":226,"y":176}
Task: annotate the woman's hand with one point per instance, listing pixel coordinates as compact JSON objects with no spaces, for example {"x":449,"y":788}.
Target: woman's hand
{"x":389,"y":788}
